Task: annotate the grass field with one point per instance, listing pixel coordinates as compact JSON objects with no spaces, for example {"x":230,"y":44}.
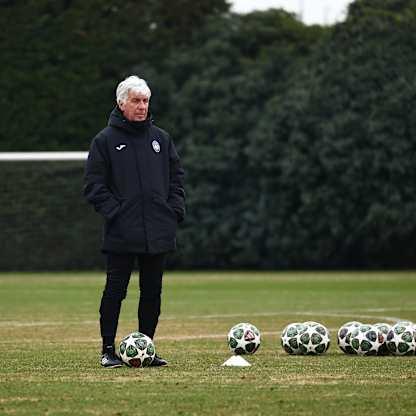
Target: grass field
{"x":49,"y":346}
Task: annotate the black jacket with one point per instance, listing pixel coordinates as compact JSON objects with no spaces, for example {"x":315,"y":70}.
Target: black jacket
{"x":134,"y":179}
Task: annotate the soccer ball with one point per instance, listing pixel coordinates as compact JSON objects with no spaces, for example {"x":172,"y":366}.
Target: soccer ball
{"x":384,"y":329}
{"x":244,"y":338}
{"x":290,"y":337}
{"x":344,"y":334}
{"x":315,"y":340}
{"x":366,"y":340}
{"x":311,"y":323}
{"x":137,"y":350}
{"x":401,"y":339}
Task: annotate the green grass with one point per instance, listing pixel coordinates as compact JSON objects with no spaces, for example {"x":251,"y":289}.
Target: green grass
{"x":49,"y":346}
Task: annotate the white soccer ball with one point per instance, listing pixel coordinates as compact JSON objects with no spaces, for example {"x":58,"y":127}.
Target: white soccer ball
{"x":384,"y":329}
{"x":344,"y":334}
{"x":366,"y":340}
{"x":244,"y":338}
{"x":311,"y":323}
{"x":401,"y":339}
{"x":290,"y":337}
{"x":137,"y":350}
{"x":315,"y":340}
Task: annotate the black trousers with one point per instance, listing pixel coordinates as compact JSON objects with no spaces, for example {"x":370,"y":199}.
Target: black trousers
{"x":119,"y":269}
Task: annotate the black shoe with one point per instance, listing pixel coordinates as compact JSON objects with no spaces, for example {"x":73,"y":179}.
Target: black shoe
{"x":109,"y":359}
{"x":158,"y":362}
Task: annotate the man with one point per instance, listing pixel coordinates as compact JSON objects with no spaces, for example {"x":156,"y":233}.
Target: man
{"x":134,"y":179}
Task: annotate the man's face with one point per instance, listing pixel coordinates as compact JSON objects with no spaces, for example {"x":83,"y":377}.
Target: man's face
{"x":136,"y":106}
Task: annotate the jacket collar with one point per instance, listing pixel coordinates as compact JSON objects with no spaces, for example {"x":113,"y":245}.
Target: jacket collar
{"x":117,"y":119}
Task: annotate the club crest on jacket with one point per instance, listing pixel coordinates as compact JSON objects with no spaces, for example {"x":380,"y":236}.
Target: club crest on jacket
{"x":156,"y":146}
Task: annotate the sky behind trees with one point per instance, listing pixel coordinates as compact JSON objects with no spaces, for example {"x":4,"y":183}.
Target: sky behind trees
{"x":312,"y":11}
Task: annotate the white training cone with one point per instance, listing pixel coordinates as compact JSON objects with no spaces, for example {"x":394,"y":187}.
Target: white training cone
{"x":236,"y":361}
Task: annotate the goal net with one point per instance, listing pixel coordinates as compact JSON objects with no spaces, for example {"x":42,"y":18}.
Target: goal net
{"x":46,"y":223}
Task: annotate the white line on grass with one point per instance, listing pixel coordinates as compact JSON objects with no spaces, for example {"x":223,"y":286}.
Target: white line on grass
{"x":158,"y":338}
{"x":346,"y":314}
{"x":305,"y":313}
{"x":213,"y":336}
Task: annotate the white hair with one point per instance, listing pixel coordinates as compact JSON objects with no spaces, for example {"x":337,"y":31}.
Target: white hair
{"x":131,"y":83}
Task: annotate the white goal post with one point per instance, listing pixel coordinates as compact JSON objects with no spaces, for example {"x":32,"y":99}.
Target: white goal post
{"x":41,"y":156}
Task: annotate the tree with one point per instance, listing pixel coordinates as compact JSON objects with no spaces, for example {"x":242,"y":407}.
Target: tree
{"x":222,"y":87}
{"x":338,"y":148}
{"x":62,"y":60}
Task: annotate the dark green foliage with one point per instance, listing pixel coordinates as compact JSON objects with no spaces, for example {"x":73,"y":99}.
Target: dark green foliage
{"x":298,"y":142}
{"x":62,"y":60}
{"x":337,"y":150}
{"x":232,"y":75}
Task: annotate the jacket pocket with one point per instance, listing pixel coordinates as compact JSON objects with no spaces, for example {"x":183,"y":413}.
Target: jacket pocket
{"x":164,"y":219}
{"x":127,"y":225}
